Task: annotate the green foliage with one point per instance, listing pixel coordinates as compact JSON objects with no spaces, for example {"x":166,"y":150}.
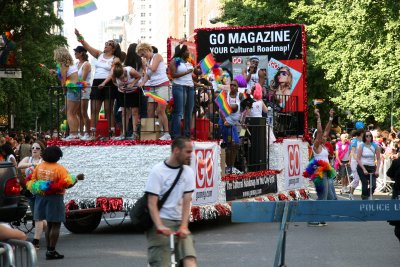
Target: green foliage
{"x":33,"y":25}
{"x":352,"y":50}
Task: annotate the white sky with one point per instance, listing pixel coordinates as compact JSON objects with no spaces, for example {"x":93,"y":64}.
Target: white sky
{"x":89,"y":24}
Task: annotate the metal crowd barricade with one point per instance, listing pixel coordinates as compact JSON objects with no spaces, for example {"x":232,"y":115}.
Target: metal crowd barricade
{"x":6,"y":255}
{"x":24,"y":253}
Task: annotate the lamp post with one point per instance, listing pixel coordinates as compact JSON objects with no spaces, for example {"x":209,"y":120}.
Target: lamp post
{"x":391,"y":111}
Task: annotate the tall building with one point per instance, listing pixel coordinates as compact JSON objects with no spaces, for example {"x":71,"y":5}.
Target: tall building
{"x":154,"y":21}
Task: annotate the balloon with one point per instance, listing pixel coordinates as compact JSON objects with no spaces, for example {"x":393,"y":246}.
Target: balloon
{"x":359,"y":125}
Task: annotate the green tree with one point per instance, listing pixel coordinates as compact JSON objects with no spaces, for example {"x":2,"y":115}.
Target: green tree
{"x":33,"y":25}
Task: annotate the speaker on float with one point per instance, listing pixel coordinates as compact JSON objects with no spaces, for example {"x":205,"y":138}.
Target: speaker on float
{"x":257,"y":154}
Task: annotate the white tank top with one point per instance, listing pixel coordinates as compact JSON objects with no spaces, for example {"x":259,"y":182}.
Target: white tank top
{"x":256,"y":109}
{"x":103,"y":67}
{"x":368,"y":155}
{"x":123,"y":83}
{"x":159,"y":76}
{"x":324,"y":155}
{"x":253,"y":79}
{"x":80,"y":72}
{"x":185,"y":80}
{"x":234,"y":117}
{"x":71,"y":69}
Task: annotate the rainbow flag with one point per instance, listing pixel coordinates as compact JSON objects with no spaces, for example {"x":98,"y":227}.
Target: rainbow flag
{"x":207,"y":63}
{"x":222,"y":102}
{"x":156,"y":97}
{"x":82,"y":7}
{"x":318,"y":101}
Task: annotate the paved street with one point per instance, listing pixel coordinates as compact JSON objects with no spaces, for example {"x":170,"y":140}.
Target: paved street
{"x":223,"y":243}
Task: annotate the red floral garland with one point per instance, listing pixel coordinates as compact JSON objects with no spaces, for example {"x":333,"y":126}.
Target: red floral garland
{"x":115,"y":142}
{"x":109,"y":204}
{"x":234,"y":177}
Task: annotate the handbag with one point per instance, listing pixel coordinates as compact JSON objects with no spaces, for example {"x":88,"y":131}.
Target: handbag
{"x":140,"y":214}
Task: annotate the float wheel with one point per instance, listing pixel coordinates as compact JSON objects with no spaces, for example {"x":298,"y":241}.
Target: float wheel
{"x":81,"y":223}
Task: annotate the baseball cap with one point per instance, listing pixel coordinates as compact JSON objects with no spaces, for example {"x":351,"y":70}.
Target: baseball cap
{"x":80,"y":48}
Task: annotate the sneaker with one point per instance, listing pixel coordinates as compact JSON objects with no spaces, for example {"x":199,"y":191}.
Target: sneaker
{"x":228,"y":170}
{"x":351,"y":197}
{"x":35,"y":243}
{"x":53,"y":255}
{"x":70,"y":138}
{"x":317,"y":224}
{"x":118,"y":138}
{"x":86,"y":137}
{"x":166,"y":136}
{"x":236,"y":171}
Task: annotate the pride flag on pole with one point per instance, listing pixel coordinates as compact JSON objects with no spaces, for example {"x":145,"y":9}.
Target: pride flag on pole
{"x":207,"y":63}
{"x":318,"y":101}
{"x":222,"y":102}
{"x":82,"y":7}
{"x":156,"y":97}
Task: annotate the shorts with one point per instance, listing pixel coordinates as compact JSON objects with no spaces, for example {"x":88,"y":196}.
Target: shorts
{"x":342,"y":169}
{"x":49,"y":208}
{"x":158,"y":249}
{"x":230,"y":134}
{"x":86,"y":93}
{"x":73,"y":96}
{"x":164,"y":92}
{"x":108,"y":92}
{"x":132,"y":100}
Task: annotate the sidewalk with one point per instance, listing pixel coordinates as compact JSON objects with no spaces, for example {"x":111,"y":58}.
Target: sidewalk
{"x":345,"y":196}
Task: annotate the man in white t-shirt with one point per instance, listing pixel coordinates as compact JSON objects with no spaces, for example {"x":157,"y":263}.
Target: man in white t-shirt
{"x":174,"y":214}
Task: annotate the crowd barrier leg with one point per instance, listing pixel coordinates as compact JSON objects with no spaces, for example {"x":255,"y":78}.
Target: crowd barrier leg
{"x":6,"y":255}
{"x":24,"y":253}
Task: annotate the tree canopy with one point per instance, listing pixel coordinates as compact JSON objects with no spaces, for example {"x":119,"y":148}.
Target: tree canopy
{"x":352,"y":50}
{"x":34,"y":26}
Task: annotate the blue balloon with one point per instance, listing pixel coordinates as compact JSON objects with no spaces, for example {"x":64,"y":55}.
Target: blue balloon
{"x":359,"y":125}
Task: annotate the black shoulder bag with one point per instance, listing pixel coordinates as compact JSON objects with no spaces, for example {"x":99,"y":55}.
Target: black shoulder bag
{"x":140,"y":214}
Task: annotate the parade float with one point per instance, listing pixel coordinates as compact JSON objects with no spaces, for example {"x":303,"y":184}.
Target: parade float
{"x":116,"y":171}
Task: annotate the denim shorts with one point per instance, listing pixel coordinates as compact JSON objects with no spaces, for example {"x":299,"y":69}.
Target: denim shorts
{"x":73,"y":96}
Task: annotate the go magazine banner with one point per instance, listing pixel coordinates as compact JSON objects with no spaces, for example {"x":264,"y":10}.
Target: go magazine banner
{"x":280,"y":51}
{"x":205,"y":163}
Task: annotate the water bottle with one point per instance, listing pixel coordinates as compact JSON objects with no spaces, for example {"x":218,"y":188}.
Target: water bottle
{"x":270,"y":117}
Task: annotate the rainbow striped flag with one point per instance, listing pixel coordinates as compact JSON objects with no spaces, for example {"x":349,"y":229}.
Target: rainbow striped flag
{"x":318,"y":101}
{"x":207,"y":63}
{"x":222,"y":102}
{"x":82,"y":7}
{"x":156,"y":97}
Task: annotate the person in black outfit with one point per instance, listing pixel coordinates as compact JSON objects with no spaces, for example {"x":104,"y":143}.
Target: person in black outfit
{"x":394,"y":173}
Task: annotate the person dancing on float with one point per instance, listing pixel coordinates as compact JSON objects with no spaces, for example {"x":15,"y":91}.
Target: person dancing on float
{"x":228,"y":124}
{"x":319,"y":171}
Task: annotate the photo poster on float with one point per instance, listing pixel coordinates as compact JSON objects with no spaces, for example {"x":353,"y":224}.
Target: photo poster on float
{"x":206,"y":167}
{"x":293,"y":169}
{"x":282,"y":43}
{"x":172,"y":43}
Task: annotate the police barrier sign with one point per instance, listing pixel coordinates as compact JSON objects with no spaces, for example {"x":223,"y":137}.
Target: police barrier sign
{"x":205,"y":163}
{"x":293,"y":169}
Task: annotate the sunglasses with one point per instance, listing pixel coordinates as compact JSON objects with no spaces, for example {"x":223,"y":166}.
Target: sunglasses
{"x":368,"y":135}
{"x":233,"y":85}
{"x":283,"y":73}
{"x":109,"y":44}
{"x":37,"y":148}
